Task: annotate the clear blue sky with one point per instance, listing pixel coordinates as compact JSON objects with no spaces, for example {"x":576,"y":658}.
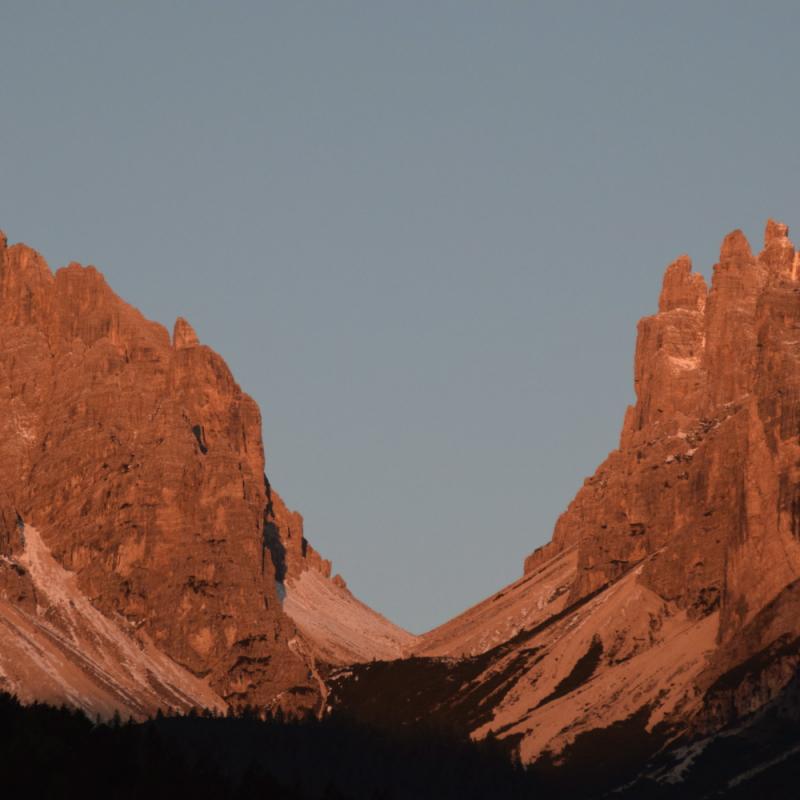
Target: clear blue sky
{"x":421,"y":233}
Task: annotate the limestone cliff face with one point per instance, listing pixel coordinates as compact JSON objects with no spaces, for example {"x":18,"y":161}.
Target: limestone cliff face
{"x":667,"y":598}
{"x":704,"y":484}
{"x":134,"y":508}
{"x":139,"y":460}
{"x":704,"y":491}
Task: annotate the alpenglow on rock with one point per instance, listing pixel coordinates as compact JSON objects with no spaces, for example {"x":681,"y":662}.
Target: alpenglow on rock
{"x":150,"y":563}
{"x":138,"y":462}
{"x":667,"y":601}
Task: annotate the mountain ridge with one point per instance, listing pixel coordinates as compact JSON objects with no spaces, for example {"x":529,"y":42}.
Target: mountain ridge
{"x":666,"y":593}
{"x":663,"y":607}
{"x":139,"y":461}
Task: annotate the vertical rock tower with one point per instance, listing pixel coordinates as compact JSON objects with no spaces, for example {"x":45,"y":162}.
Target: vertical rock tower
{"x":706,"y":478}
{"x":140,"y":462}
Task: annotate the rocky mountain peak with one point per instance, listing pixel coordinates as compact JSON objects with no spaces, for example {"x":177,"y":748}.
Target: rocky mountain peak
{"x":142,"y":469}
{"x":669,"y":591}
{"x":682,"y":288}
{"x":735,"y":250}
{"x":701,"y":496}
{"x":146,"y":554}
{"x":778,"y":252}
{"x":136,"y":463}
{"x":183,"y":335}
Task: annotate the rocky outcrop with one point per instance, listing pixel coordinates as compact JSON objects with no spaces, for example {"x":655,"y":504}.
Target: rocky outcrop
{"x":139,"y":460}
{"x":337,"y":628}
{"x":56,"y":647}
{"x":668,"y":593}
{"x":704,"y":483}
{"x":288,"y":547}
{"x":132,"y":475}
{"x":703,"y":491}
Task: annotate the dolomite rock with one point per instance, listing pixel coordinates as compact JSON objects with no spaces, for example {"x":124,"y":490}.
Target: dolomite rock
{"x":669,"y":591}
{"x":704,"y":492}
{"x":336,"y":627}
{"x":56,"y":646}
{"x":704,"y":484}
{"x":183,"y":335}
{"x":140,"y":462}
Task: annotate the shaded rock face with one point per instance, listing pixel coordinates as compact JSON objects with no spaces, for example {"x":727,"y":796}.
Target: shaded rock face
{"x":139,"y":460}
{"x":286,"y":543}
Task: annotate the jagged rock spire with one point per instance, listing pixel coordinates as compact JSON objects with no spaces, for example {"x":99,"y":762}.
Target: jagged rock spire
{"x":183,"y":335}
{"x":778,"y":252}
{"x":735,"y":250}
{"x":682,"y":288}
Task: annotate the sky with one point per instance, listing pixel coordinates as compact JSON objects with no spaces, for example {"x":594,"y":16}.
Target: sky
{"x":420,"y":233}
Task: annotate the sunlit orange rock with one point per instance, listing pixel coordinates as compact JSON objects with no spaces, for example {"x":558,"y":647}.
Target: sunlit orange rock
{"x":703,"y":485}
{"x":140,"y":462}
{"x":669,"y":591}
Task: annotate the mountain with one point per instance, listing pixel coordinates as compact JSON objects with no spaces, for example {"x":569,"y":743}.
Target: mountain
{"x":146,"y":562}
{"x":139,"y":537}
{"x":665,"y":607}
